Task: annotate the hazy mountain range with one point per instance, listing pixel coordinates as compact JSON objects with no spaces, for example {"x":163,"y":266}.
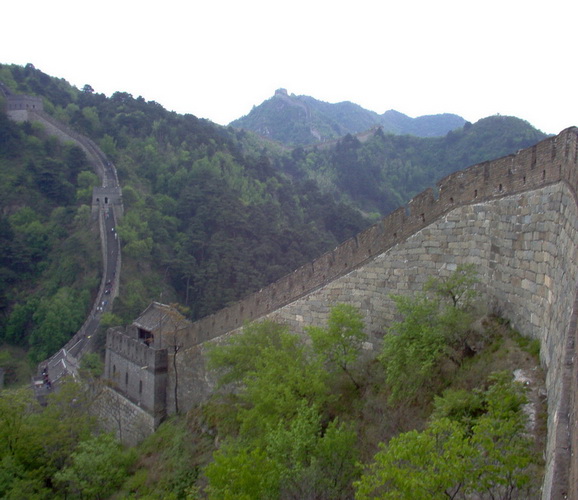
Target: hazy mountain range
{"x":303,"y":120}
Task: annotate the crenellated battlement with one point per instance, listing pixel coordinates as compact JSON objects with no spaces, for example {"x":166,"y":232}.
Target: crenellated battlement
{"x":514,"y":218}
{"x":549,"y":161}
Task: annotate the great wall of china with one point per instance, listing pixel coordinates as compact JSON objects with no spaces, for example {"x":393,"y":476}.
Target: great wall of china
{"x":514,"y":218}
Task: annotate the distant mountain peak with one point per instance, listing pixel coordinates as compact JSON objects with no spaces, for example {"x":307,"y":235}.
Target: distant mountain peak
{"x":303,"y":120}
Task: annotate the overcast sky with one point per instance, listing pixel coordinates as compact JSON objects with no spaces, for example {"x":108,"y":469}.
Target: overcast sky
{"x":217,"y":59}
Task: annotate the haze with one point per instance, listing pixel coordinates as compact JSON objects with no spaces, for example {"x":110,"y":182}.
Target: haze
{"x":218,"y":59}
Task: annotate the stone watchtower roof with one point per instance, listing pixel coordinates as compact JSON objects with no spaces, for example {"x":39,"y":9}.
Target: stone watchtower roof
{"x":159,"y":317}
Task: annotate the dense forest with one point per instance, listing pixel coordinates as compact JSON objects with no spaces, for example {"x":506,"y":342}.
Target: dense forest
{"x":50,"y":261}
{"x":213,"y":213}
{"x":380,"y":172}
{"x":207,"y":217}
{"x":313,"y":418}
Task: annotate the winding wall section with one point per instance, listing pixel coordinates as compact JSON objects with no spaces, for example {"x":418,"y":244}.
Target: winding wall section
{"x":107,"y":207}
{"x":515,"y":218}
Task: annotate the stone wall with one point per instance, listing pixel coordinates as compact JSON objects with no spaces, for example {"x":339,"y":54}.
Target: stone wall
{"x":137,"y":372}
{"x":545,"y":163}
{"x":526,"y":259}
{"x":524,"y":248}
{"x":515,"y":218}
{"x":125,"y":419}
{"x":21,"y":102}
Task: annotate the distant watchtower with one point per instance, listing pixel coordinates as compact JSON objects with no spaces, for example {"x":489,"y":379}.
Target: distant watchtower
{"x":107,"y":198}
{"x":18,"y":106}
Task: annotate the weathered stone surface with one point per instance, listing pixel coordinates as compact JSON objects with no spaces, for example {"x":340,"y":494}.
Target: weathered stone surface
{"x":519,"y":226}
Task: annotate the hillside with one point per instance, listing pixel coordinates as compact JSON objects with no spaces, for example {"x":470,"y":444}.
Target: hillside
{"x":211,"y":213}
{"x":303,"y":120}
{"x":208,"y":218}
{"x":49,"y":264}
{"x":381,"y":172}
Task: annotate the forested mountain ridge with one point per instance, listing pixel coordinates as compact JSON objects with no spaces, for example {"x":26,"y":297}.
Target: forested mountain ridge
{"x":207,"y":216}
{"x":213,"y":213}
{"x":50,"y":260}
{"x":380,"y":172}
{"x":303,"y":120}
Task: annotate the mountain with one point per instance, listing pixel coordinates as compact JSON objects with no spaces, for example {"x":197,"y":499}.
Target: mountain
{"x":378,"y":172}
{"x":212,"y":213}
{"x":208,"y":216}
{"x":303,"y":120}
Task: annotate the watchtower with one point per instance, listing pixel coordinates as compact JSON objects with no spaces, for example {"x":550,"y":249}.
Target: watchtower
{"x":105,"y":199}
{"x":136,"y":361}
{"x":18,"y":106}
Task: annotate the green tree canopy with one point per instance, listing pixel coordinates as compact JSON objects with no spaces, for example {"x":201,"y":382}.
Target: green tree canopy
{"x":340,"y":343}
{"x":480,"y":451}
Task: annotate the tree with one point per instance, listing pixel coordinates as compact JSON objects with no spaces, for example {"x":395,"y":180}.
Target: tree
{"x":91,"y":365}
{"x":429,"y":330}
{"x":413,"y":346}
{"x":57,"y":318}
{"x":98,"y":466}
{"x":36,"y":442}
{"x":282,"y":379}
{"x":242,"y":473}
{"x":427,"y":465}
{"x":476,"y":447}
{"x":459,"y":286}
{"x":341,"y":342}
{"x":296,"y":459}
{"x":239,"y":357}
{"x":315,"y":461}
{"x":285,"y":446}
{"x":173,"y":342}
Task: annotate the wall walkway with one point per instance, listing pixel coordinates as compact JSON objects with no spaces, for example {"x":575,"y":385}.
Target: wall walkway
{"x":66,"y":360}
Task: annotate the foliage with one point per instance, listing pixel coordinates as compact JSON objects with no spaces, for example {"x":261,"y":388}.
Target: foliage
{"x":16,"y":365}
{"x":238,"y":358}
{"x":340,"y":344}
{"x":431,"y":330}
{"x":97,"y":467}
{"x":276,"y":372}
{"x":419,"y":465}
{"x":482,"y":450}
{"x":213,"y":213}
{"x":380,"y":172}
{"x":297,"y":460}
{"x":458,"y":286}
{"x":233,"y":474}
{"x":35,"y":442}
{"x":91,"y":365}
{"x":58,"y":318}
{"x":282,"y":391}
{"x":49,"y":258}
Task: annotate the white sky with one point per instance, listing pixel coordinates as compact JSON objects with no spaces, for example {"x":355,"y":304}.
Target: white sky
{"x":218,"y":58}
